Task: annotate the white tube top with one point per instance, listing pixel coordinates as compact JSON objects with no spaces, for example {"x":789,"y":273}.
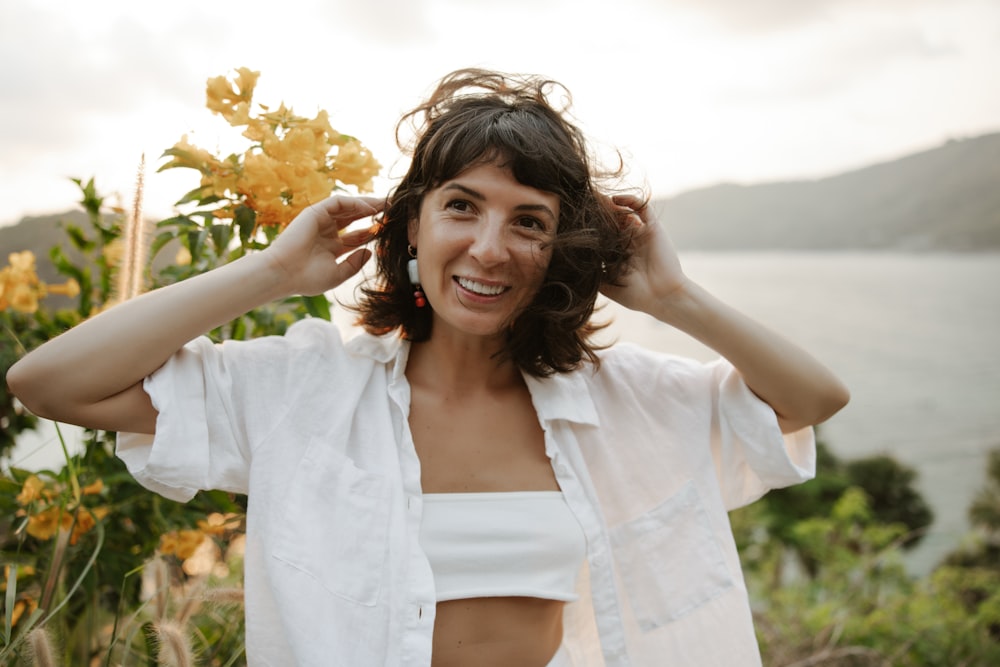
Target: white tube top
{"x":520,"y":543}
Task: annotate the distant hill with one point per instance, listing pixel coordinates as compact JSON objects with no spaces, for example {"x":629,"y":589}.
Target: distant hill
{"x":40,"y":233}
{"x":946,"y":198}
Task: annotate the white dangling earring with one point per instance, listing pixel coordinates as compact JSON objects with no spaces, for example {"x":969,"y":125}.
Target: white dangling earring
{"x":414,"y":274}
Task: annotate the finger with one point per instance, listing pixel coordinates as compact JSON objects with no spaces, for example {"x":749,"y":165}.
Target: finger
{"x":353,"y":263}
{"x":358,"y":237}
{"x":345,"y":210}
{"x":633,"y":202}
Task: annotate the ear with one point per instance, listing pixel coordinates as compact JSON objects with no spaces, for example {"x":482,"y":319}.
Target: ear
{"x":412,"y":227}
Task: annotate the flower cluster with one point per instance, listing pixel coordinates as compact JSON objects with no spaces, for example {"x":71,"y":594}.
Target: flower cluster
{"x":20,"y":287}
{"x":184,"y":542}
{"x":48,"y":511}
{"x":213,"y":548}
{"x":293,"y":161}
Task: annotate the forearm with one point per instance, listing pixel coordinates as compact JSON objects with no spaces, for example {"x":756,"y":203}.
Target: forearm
{"x":800,"y":389}
{"x":103,"y":357}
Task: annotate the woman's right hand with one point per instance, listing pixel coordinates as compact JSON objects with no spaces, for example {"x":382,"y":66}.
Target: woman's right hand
{"x":308,"y":251}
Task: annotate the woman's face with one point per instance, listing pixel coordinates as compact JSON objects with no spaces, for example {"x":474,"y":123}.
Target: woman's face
{"x":482,"y":248}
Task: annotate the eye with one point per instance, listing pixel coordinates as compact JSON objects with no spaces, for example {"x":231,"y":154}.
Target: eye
{"x":459,"y":206}
{"x":530,"y":222}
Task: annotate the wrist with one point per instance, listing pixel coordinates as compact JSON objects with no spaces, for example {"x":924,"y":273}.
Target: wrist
{"x":265,"y":276}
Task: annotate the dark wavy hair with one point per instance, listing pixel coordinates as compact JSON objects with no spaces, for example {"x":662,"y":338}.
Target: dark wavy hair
{"x":476,"y":117}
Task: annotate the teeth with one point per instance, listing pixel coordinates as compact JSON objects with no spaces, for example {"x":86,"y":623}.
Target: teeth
{"x":479,"y":288}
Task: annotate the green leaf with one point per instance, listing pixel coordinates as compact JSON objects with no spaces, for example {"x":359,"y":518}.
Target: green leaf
{"x":317,"y":306}
{"x":9,"y":603}
{"x":246,"y":220}
{"x":221,"y":235}
{"x":182,"y":222}
{"x":161,"y":240}
{"x":78,"y":238}
{"x":199,"y":195}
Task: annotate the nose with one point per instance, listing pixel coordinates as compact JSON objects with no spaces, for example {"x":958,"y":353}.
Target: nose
{"x":489,"y":245}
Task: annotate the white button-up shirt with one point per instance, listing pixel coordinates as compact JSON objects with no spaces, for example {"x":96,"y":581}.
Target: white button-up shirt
{"x":650,"y":452}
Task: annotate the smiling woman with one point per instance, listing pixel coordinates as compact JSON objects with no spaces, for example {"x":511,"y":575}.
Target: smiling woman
{"x":472,"y":479}
{"x":484,"y":256}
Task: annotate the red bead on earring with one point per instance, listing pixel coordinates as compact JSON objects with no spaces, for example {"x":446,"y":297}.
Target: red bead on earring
{"x":418,"y":297}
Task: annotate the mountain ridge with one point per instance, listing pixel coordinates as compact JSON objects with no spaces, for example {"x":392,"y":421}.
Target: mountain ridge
{"x":942,"y":198}
{"x":945,"y":198}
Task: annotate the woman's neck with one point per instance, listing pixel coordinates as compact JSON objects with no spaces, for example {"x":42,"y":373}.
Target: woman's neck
{"x":462,"y":364}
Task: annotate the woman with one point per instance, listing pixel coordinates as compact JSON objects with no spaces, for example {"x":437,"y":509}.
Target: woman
{"x":470,"y":481}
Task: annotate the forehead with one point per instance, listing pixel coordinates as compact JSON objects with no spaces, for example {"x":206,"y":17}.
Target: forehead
{"x":496,"y":182}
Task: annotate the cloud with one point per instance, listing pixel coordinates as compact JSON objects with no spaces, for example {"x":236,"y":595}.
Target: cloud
{"x":766,"y":16}
{"x":73,"y":76}
{"x":816,"y":64}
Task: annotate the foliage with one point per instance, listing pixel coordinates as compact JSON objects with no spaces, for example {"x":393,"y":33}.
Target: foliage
{"x":111,"y":572}
{"x":889,"y":485}
{"x":830,"y":588}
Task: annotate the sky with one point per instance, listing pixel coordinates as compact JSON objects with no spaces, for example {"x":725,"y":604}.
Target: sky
{"x":690,"y":92}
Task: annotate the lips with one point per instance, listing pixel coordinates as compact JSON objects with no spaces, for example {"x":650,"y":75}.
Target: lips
{"x":482,"y":289}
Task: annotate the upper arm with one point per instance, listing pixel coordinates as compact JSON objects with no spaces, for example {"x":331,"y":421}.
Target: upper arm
{"x":129,"y":410}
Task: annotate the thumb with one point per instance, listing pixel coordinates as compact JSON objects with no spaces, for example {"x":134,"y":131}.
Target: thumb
{"x":353,"y":263}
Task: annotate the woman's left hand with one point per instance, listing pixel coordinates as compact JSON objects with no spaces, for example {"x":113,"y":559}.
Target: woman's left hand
{"x":654,"y":272}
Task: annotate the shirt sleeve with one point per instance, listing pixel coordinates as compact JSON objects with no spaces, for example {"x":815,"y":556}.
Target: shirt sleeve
{"x":750,"y":452}
{"x":214,"y":403}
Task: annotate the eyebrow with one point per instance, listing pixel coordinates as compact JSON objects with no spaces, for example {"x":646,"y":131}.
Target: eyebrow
{"x":475,"y":194}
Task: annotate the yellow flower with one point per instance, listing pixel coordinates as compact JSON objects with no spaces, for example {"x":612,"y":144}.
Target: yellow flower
{"x":355,"y":165}
{"x":231,"y":99}
{"x":183,"y":257}
{"x":20,"y":607}
{"x":19,"y":285}
{"x":283,"y":117}
{"x":258,"y":130}
{"x":299,"y":146}
{"x":93,"y":488}
{"x":23,"y":299}
{"x":112,"y":252}
{"x":44,"y":525}
{"x":214,"y":524}
{"x":321,"y":125}
{"x":31,"y":490}
{"x":181,"y":543}
{"x":85,"y":521}
{"x":70,"y":288}
{"x":22,"y":262}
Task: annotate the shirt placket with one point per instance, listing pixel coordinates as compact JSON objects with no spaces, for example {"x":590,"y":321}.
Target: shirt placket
{"x":419,"y":608}
{"x":570,"y":472}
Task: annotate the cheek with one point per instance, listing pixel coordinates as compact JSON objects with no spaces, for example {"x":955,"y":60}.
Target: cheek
{"x":539,"y":261}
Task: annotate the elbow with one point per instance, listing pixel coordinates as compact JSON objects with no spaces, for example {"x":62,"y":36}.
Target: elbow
{"x":23,"y":384}
{"x":836,"y":400}
{"x":823,"y":406}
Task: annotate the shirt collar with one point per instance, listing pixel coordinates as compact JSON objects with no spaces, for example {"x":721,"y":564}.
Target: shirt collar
{"x":563,"y":396}
{"x":382,"y":349}
{"x":560,"y":396}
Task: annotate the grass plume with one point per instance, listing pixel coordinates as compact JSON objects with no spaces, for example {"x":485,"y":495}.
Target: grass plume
{"x":42,"y":654}
{"x":175,"y":649}
{"x":135,"y":257}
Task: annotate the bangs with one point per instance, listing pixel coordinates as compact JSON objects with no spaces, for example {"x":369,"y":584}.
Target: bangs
{"x":522,"y":139}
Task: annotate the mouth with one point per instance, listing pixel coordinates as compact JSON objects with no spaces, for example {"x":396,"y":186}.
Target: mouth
{"x":480,"y":288}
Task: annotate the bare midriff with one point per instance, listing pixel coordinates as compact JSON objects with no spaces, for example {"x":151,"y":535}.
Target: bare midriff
{"x":497,"y":632}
